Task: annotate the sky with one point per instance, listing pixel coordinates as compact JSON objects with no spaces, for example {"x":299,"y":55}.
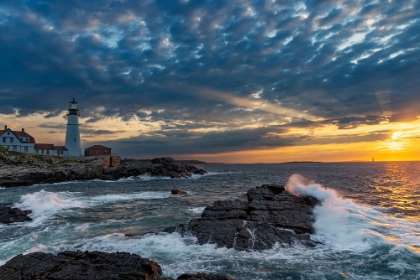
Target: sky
{"x":238,"y":81}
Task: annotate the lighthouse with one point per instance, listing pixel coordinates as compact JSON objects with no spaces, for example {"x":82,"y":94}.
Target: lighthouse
{"x":72,"y":132}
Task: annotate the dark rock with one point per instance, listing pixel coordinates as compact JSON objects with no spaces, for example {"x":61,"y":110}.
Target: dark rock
{"x":271,"y":215}
{"x":80,"y":265}
{"x":178,"y":191}
{"x":22,"y":169}
{"x":180,"y":229}
{"x":164,"y":167}
{"x":89,"y":265}
{"x":12,"y":215}
{"x":203,"y":276}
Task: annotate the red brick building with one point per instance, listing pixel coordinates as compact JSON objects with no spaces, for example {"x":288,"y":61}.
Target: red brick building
{"x":97,"y":150}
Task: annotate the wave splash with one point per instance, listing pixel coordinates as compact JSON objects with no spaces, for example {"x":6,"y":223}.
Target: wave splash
{"x":43,"y":204}
{"x":346,"y":225}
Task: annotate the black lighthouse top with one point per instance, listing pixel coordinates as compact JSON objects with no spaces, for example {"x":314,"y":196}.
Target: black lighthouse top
{"x":73,"y":108}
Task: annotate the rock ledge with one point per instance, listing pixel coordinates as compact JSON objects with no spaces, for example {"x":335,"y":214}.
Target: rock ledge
{"x":89,"y":265}
{"x":270,"y":215}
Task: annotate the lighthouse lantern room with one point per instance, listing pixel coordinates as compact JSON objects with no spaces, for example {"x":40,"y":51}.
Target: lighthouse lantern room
{"x":72,"y":142}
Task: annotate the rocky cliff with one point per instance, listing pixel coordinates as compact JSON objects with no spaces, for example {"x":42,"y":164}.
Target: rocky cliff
{"x":19,"y":169}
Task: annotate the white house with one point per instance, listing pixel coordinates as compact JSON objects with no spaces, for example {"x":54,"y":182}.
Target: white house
{"x":50,"y":149}
{"x":18,"y":141}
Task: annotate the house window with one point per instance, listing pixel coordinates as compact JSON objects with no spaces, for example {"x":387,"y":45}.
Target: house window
{"x":47,"y":152}
{"x":14,"y":148}
{"x":25,"y":149}
{"x":8,"y":133}
{"x":11,"y":140}
{"x":42,"y":151}
{"x":4,"y":139}
{"x":74,"y":139}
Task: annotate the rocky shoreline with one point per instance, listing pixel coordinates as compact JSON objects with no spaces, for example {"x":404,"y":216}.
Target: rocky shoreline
{"x":269,"y":216}
{"x":19,"y":169}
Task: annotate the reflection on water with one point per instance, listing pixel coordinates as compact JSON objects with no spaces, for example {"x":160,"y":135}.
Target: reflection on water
{"x":397,"y":187}
{"x":378,"y":221}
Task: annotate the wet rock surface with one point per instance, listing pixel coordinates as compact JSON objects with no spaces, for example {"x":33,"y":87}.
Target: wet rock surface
{"x":19,"y":169}
{"x":88,"y":265}
{"x":163,"y":167}
{"x":203,"y":276}
{"x":10,"y":215}
{"x":178,"y":191}
{"x":270,"y":215}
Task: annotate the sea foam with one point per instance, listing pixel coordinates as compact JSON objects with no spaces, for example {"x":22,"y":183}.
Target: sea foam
{"x":44,"y":204}
{"x":346,"y":225}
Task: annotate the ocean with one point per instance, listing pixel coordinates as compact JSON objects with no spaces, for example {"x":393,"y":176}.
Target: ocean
{"x":367,"y":226}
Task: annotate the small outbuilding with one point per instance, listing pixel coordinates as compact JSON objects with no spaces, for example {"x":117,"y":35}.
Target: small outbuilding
{"x":97,"y":150}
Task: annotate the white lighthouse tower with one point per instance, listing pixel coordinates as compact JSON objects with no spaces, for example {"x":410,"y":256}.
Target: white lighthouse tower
{"x":72,"y":133}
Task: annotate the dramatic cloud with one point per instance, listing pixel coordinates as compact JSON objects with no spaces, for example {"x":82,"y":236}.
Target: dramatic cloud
{"x":213,"y":76}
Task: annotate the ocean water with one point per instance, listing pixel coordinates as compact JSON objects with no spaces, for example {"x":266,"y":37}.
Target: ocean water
{"x":368,"y":225}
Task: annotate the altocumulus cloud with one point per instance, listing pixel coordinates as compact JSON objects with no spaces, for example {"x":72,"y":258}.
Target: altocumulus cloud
{"x":343,"y":63}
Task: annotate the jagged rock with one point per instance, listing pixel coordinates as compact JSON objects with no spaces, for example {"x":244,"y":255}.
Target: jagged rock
{"x":80,"y":265}
{"x":165,"y":167}
{"x":177,"y":191}
{"x":89,"y":265}
{"x":203,"y":276}
{"x":10,"y":215}
{"x":270,"y":215}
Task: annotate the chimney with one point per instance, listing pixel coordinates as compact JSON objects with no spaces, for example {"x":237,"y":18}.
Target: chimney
{"x":5,"y":127}
{"x":23,"y":130}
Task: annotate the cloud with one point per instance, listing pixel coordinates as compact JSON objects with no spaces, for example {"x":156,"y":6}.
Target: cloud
{"x":213,"y":66}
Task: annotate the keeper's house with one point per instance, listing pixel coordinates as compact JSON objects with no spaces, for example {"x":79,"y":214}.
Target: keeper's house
{"x":50,"y":149}
{"x":20,"y":141}
{"x":97,"y":150}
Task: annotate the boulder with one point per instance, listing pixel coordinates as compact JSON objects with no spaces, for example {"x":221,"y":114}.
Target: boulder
{"x":177,"y":191}
{"x":203,"y":276}
{"x":270,"y":215}
{"x":80,"y":265}
{"x":10,"y":215}
{"x":89,"y":265}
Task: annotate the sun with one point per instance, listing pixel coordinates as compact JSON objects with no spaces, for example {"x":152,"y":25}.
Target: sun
{"x":396,"y":135}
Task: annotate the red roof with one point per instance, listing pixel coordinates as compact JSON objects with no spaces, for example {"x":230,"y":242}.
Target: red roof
{"x":44,"y":146}
{"x":60,"y":148}
{"x":98,"y":147}
{"x":19,"y":134}
{"x":24,"y":134}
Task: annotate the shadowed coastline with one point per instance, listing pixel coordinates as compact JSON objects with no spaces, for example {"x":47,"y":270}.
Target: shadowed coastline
{"x":18,"y":169}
